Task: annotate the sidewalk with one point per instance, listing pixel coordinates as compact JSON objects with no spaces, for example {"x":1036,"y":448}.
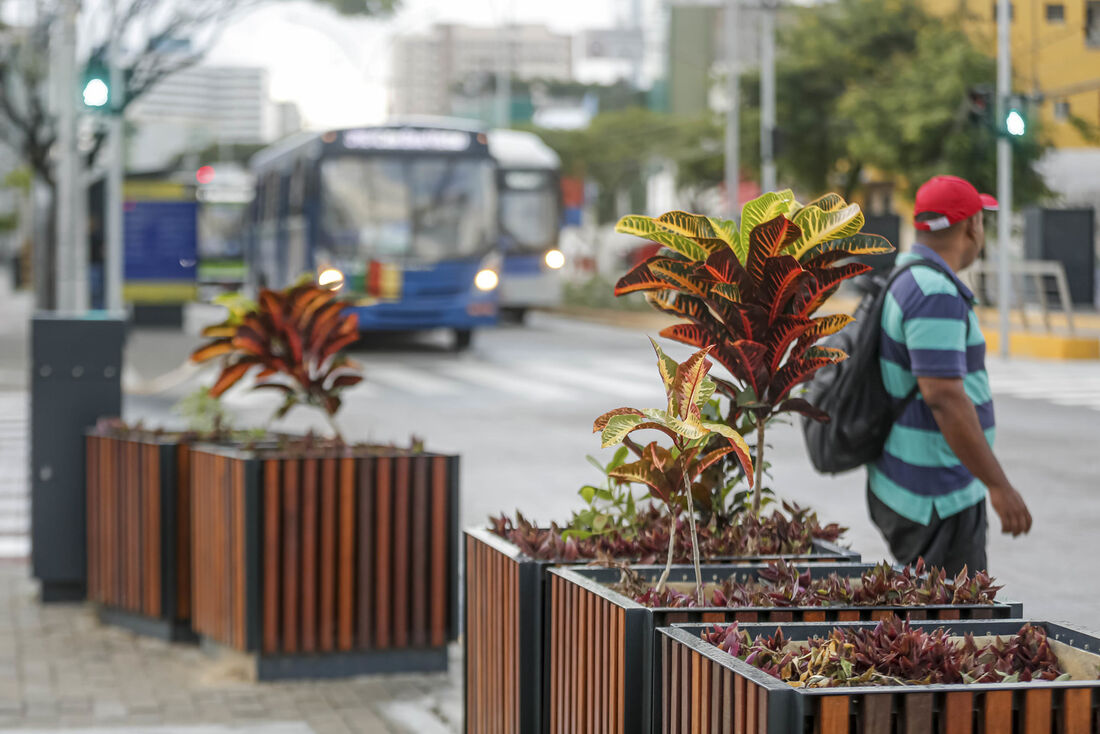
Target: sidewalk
{"x":61,"y":669}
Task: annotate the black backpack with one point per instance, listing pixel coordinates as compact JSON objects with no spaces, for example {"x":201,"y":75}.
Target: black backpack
{"x":861,"y":412}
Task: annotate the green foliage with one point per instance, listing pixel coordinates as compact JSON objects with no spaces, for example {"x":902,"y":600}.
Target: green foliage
{"x":379,"y":8}
{"x":610,"y":509}
{"x":205,"y":414}
{"x":881,"y":84}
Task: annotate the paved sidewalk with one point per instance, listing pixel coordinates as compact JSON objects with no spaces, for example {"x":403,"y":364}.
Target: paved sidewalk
{"x":61,"y":670}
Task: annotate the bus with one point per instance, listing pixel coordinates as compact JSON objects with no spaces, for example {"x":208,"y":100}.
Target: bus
{"x":529,"y":180}
{"x":401,"y":218}
{"x":224,"y":191}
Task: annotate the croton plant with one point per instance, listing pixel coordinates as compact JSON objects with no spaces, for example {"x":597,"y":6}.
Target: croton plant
{"x":670,"y":472}
{"x":894,"y":653}
{"x":750,"y":292}
{"x":292,"y":340}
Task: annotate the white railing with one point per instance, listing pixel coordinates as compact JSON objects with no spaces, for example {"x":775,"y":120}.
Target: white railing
{"x":1041,"y":273}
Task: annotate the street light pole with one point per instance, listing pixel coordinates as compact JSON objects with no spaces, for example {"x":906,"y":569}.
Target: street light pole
{"x":733,"y":131}
{"x":767,"y":97}
{"x":1004,"y":168}
{"x":113,"y":255}
{"x":71,"y":288}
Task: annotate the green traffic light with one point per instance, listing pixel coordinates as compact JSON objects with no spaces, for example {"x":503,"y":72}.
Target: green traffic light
{"x":96,"y":93}
{"x":1015,"y":123}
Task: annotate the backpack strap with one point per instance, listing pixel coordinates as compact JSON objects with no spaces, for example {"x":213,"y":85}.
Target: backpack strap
{"x":885,"y":290}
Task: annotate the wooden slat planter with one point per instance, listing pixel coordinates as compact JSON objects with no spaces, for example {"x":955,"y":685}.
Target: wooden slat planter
{"x":600,"y":638}
{"x":139,"y":532}
{"x":708,"y":691}
{"x":505,"y":641}
{"x":324,"y":564}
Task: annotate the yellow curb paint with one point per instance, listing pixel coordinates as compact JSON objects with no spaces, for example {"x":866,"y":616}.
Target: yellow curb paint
{"x":1045,"y":346}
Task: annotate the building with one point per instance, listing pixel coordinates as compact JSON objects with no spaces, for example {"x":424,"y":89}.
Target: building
{"x":198,"y":107}
{"x":429,"y":68}
{"x":1055,"y":54}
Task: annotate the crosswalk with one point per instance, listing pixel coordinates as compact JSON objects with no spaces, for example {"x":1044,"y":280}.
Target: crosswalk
{"x":487,"y":380}
{"x":15,"y":506}
{"x":1070,"y":384}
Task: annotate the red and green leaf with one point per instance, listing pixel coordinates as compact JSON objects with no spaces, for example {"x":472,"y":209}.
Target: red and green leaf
{"x":766,"y":241}
{"x":640,"y":278}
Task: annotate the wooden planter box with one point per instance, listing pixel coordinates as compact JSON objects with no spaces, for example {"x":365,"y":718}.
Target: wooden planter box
{"x":139,"y":532}
{"x":326,"y":564}
{"x":605,"y":669}
{"x":708,"y":691}
{"x":505,"y":641}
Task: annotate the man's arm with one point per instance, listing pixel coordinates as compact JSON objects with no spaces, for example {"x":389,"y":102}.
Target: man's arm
{"x":958,"y":421}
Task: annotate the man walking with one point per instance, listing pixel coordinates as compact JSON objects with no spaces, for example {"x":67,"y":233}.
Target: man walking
{"x":927,"y":491}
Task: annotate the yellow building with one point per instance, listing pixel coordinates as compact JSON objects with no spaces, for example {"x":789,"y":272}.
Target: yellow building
{"x":1055,"y":53}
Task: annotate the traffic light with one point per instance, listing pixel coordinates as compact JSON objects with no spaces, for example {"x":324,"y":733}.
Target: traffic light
{"x":97,"y":84}
{"x":1015,"y":122}
{"x":980,"y":103}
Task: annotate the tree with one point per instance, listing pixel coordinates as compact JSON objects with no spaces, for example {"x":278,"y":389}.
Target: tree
{"x":880,"y":84}
{"x":158,"y":38}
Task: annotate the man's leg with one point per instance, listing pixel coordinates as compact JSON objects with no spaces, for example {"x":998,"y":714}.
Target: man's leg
{"x":948,"y":543}
{"x":908,"y":540}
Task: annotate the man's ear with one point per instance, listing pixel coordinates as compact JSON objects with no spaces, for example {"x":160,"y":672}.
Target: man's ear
{"x":972,"y":224}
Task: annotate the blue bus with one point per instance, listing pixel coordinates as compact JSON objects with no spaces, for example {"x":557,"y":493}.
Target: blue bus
{"x":402,"y":218}
{"x":529,"y":180}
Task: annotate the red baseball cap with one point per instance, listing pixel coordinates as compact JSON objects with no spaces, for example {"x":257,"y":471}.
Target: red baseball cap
{"x":952,"y":197}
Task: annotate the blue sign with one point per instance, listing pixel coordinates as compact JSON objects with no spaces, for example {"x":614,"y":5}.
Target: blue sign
{"x":161,"y":240}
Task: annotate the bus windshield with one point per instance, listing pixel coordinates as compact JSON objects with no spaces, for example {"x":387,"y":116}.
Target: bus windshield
{"x":408,"y":208}
{"x":529,"y":219}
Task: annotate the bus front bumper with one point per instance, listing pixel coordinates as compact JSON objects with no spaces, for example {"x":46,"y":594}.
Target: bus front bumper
{"x":467,"y":313}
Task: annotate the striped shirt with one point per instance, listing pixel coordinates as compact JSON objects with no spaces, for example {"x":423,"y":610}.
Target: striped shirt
{"x":929,"y":329}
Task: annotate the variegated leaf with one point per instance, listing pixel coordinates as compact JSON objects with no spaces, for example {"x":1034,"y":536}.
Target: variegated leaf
{"x":682,"y":275}
{"x":794,"y":373}
{"x":740,"y":447}
{"x":642,"y":472}
{"x":685,"y":384}
{"x":601,"y":422}
{"x":763,"y":208}
{"x":651,"y":229}
{"x":689,"y":307}
{"x":783,"y":277}
{"x":619,"y":427}
{"x":705,"y":393}
{"x":667,"y":366}
{"x":727,"y":292}
{"x":820,"y":226}
{"x":803,"y":407}
{"x":640,"y":279}
{"x":691,"y":334}
{"x":830,"y":353}
{"x":688,"y":224}
{"x":213,"y":349}
{"x":728,"y":232}
{"x":857,"y":244}
{"x":784,"y":333}
{"x":766,"y":241}
{"x":823,"y":284}
{"x":724,"y":267}
{"x":230,"y":375}
{"x":829,"y":202}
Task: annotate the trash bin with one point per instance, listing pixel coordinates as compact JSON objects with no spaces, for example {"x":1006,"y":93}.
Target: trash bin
{"x":76,"y":363}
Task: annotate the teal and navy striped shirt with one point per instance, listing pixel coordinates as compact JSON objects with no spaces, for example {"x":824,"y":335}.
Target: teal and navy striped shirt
{"x":929,"y":329}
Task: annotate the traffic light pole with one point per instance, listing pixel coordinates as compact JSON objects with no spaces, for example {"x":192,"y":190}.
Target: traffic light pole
{"x":71,"y":260}
{"x":733,"y":123}
{"x":113,"y":254}
{"x":767,"y":97}
{"x":1004,"y":169}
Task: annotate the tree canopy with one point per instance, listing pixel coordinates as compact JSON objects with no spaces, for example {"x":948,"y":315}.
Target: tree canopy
{"x":882,"y":85}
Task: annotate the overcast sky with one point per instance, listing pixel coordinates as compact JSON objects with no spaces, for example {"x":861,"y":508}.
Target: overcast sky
{"x":336,"y":68}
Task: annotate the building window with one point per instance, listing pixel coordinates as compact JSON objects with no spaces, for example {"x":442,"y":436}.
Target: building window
{"x":1056,"y":13}
{"x":1011,"y":11}
{"x":1061,"y":110}
{"x":1092,"y":23}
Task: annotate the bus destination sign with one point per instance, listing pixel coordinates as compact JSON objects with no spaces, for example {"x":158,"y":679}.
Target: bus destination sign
{"x":407,"y":139}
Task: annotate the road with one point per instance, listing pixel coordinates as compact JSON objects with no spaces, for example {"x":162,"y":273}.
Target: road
{"x":519,"y":407}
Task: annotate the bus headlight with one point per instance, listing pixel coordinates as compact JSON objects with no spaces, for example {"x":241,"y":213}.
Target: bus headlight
{"x":331,"y":278}
{"x":554,"y":259}
{"x":486,"y":279}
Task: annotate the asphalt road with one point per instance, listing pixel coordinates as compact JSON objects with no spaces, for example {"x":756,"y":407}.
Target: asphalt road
{"x":519,"y":407}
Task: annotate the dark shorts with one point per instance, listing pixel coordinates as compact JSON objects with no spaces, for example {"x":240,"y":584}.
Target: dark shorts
{"x":949,"y":543}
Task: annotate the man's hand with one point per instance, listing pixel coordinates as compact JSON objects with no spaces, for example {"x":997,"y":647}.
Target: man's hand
{"x":1010,"y":507}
